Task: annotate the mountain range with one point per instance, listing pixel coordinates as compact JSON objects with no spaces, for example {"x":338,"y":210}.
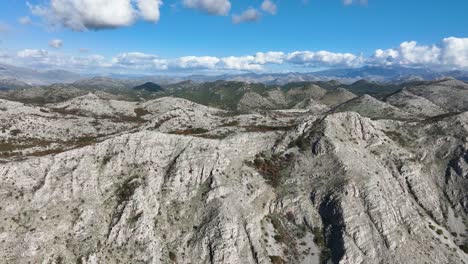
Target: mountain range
{"x":117,"y":170}
{"x":12,"y":76}
{"x":234,"y":172}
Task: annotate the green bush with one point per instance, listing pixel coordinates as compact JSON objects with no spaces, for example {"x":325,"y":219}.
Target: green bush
{"x":191,"y":131}
{"x":15,"y":132}
{"x":274,"y":168}
{"x":464,"y":247}
{"x":172,"y":256}
{"x":276,"y":260}
{"x":300,"y":142}
{"x":141,"y":112}
{"x":319,"y":240}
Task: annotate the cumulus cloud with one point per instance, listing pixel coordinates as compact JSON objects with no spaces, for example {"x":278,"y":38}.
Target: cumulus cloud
{"x":269,"y":7}
{"x":240,"y":63}
{"x":26,"y":20}
{"x":80,"y":15}
{"x":450,"y":53}
{"x":138,"y":60}
{"x":212,"y":7}
{"x":324,"y":58}
{"x":193,"y":62}
{"x":56,"y":43}
{"x":32,"y":53}
{"x":149,"y":9}
{"x":269,"y":57}
{"x":455,"y":52}
{"x":249,"y":15}
{"x":409,"y":53}
{"x":40,"y":58}
{"x":133,"y":58}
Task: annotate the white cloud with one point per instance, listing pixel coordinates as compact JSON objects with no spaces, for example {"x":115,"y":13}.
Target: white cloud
{"x":32,"y":53}
{"x":212,"y":7}
{"x":132,"y":58}
{"x":409,"y":53}
{"x":269,"y":7}
{"x":193,"y":62}
{"x":26,"y":20}
{"x":269,"y":57}
{"x":249,"y":15}
{"x":56,"y":43}
{"x":455,"y":52}
{"x":412,"y":53}
{"x":80,"y":15}
{"x":241,"y":63}
{"x":324,"y":58}
{"x":138,"y":60}
{"x":450,"y":53}
{"x":385,"y":57}
{"x":149,"y":9}
{"x":39,"y":58}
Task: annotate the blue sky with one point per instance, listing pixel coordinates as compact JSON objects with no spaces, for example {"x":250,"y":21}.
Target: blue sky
{"x":334,"y":26}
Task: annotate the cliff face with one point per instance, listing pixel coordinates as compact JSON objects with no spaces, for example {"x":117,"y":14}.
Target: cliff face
{"x":384,"y":189}
{"x":190,"y":184}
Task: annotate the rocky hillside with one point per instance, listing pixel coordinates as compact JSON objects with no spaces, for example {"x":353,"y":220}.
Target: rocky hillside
{"x":315,"y":175}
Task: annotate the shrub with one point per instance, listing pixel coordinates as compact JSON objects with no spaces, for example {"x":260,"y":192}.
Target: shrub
{"x":300,"y":142}
{"x":325,"y":255}
{"x":261,"y":128}
{"x":141,"y":112}
{"x":231,"y":124}
{"x":279,"y":238}
{"x":290,"y":216}
{"x":319,"y":240}
{"x":464,"y":247}
{"x":135,"y":218}
{"x":276,"y":260}
{"x":15,"y":132}
{"x":106,"y":160}
{"x":172,"y":256}
{"x":274,"y":168}
{"x":191,"y":131}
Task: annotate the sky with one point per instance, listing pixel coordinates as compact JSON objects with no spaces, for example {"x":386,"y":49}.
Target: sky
{"x":232,"y":36}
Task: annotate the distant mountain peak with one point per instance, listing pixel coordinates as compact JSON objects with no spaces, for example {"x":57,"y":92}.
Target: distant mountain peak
{"x":149,"y":87}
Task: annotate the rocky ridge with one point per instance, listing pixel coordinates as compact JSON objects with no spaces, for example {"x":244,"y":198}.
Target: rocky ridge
{"x":168,"y":180}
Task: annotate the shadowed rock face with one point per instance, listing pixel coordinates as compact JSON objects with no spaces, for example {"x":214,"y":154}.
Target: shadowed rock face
{"x":450,"y":94}
{"x":368,"y":106}
{"x":414,"y":104}
{"x":98,"y":180}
